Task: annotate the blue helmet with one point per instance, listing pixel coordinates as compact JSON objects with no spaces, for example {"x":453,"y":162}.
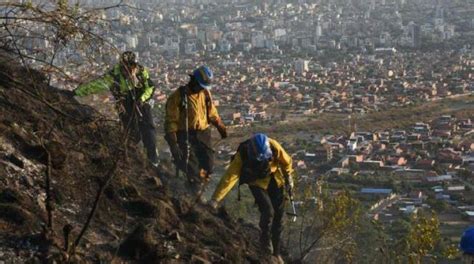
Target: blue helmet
{"x":203,"y":76}
{"x":262,"y":149}
{"x":467,"y":241}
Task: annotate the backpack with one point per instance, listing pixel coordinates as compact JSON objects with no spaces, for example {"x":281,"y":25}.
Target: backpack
{"x":252,"y":169}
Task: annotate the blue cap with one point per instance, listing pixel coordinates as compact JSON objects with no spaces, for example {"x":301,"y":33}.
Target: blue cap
{"x":467,"y":241}
{"x":203,"y":76}
{"x":262,"y":149}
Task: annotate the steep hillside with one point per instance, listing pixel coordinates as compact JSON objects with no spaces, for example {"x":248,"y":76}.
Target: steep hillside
{"x":44,"y":133}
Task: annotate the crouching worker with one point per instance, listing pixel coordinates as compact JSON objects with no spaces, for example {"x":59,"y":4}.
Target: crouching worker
{"x":264,"y":165}
{"x":133,"y":90}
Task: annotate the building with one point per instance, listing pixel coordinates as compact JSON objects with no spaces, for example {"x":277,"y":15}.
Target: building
{"x":301,"y":66}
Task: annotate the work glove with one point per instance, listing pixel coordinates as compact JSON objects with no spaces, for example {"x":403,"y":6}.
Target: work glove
{"x":221,"y":128}
{"x":291,"y":182}
{"x":151,"y":103}
{"x":213,"y":204}
{"x":172,"y":140}
{"x":176,"y":152}
{"x":178,"y":157}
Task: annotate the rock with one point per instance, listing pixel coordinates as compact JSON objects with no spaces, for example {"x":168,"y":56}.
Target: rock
{"x":139,"y":244}
{"x":167,"y":219}
{"x":27,"y":180}
{"x":75,"y":156}
{"x":15,"y":160}
{"x":58,"y":196}
{"x":141,"y":208}
{"x":174,"y":235}
{"x":199,"y":260}
{"x":57,"y":153}
{"x":224,"y":215}
{"x":128,"y":192}
{"x":155,"y":182}
{"x":170,"y":248}
{"x":110,"y":192}
{"x":10,"y":196}
{"x":6,"y":146}
{"x":181,"y":205}
{"x":14,"y":214}
{"x":41,"y":201}
{"x":35,"y":152}
{"x":193,"y":216}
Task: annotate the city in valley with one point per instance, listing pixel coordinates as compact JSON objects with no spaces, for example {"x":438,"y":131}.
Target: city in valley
{"x":374,"y":98}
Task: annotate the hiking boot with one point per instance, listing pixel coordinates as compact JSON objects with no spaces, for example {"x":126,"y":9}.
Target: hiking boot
{"x":266,"y":246}
{"x":153,"y":160}
{"x":276,"y":245}
{"x":279,"y":259}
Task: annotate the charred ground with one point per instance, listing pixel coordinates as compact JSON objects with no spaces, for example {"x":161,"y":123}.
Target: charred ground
{"x":43,"y":132}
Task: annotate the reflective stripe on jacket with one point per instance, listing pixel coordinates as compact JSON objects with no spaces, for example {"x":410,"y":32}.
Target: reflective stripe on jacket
{"x":200,"y":114}
{"x":281,"y":163}
{"x":108,"y":82}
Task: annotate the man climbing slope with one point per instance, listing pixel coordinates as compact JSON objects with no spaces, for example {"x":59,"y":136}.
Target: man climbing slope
{"x":263,"y":164}
{"x":133,"y":90}
{"x":189,"y":113}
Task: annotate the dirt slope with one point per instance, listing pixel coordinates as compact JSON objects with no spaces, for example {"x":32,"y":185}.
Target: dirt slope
{"x":137,"y":221}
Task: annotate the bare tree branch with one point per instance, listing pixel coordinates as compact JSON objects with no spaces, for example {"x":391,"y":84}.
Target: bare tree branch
{"x":95,"y":205}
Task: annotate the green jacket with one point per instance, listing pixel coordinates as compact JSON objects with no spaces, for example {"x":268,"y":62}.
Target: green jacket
{"x":114,"y":81}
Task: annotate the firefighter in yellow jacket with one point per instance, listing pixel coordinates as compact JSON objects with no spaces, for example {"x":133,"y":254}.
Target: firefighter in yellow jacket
{"x":264,"y":165}
{"x":189,"y":114}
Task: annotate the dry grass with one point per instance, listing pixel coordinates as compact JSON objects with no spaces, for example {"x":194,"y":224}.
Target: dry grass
{"x":461,"y":107}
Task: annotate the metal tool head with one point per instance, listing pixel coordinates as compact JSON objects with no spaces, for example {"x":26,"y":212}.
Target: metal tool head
{"x":293,"y":216}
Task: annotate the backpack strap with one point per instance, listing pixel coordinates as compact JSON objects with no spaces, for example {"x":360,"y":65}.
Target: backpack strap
{"x":207,"y":93}
{"x":184,"y":97}
{"x":184,"y":108}
{"x":117,"y":75}
{"x":273,"y":151}
{"x":242,"y":150}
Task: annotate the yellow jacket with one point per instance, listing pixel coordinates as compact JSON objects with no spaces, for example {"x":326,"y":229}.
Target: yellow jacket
{"x":198,"y":112}
{"x":280,"y":164}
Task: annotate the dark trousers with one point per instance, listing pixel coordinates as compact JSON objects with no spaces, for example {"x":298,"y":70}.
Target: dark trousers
{"x":138,"y":120}
{"x":271,"y":204}
{"x":201,"y":156}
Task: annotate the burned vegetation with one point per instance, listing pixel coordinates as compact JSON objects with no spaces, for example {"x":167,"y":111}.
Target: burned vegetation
{"x":74,"y":189}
